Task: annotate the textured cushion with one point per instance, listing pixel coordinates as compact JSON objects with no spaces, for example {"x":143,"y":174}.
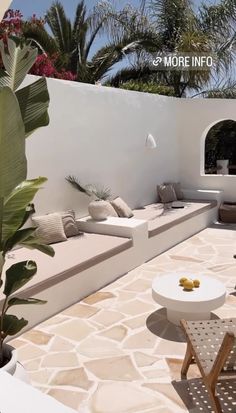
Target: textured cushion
{"x":122,"y":209}
{"x":166,"y":193}
{"x":50,"y":228}
{"x":177,"y":188}
{"x":69,"y":223}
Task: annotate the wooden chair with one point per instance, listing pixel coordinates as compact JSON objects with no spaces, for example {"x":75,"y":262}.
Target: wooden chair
{"x":212,"y":345}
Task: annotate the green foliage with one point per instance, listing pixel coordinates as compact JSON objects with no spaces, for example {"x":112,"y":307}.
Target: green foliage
{"x":21,"y":112}
{"x":12,"y":135}
{"x":148,"y":87}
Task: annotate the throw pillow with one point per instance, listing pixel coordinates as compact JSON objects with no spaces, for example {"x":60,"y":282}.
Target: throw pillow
{"x":50,"y":228}
{"x":121,"y":208}
{"x":177,"y":188}
{"x":166,"y":193}
{"x":69,"y":223}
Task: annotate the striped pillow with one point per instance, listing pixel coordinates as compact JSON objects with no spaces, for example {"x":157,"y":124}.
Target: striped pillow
{"x":50,"y":228}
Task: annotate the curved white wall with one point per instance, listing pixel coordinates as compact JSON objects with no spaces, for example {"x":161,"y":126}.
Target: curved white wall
{"x":98,"y":134}
{"x":195,"y":117}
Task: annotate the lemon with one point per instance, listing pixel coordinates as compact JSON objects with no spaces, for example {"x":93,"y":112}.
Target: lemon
{"x":188,"y":285}
{"x":182,"y":280}
{"x":196,"y":283}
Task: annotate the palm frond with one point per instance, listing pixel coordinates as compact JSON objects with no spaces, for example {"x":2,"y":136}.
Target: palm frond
{"x":60,"y":26}
{"x":76,"y":184}
{"x":40,"y":36}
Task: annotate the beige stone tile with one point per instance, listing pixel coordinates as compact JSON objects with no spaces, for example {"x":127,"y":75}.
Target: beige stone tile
{"x":40,"y":376}
{"x":139,"y":285}
{"x":17,"y":343}
{"x":29,"y":352}
{"x":98,"y":347}
{"x":60,"y":344}
{"x":170,"y":348}
{"x":125,"y":295}
{"x":117,"y":333}
{"x":107,"y":318}
{"x":74,"y":330}
{"x":122,"y":398}
{"x":135,"y":307}
{"x":60,"y":360}
{"x":57,"y":319}
{"x":70,"y":398}
{"x":38,"y":337}
{"x":136,"y":322}
{"x":167,"y":390}
{"x":74,"y":378}
{"x":33,"y":364}
{"x":81,"y":310}
{"x":143,"y":339}
{"x":98,"y":296}
{"x":114,"y":368}
{"x":143,"y":360}
{"x":183,"y":258}
{"x":175,"y":366}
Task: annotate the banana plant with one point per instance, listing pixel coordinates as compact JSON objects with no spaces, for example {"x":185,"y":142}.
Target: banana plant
{"x":22,"y":111}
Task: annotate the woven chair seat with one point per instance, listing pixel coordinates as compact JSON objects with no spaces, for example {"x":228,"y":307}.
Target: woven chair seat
{"x":206,"y":338}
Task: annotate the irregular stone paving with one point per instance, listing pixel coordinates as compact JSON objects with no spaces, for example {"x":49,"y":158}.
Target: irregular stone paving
{"x":114,"y":352}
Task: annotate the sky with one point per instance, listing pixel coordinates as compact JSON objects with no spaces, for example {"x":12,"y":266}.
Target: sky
{"x":39,"y":7}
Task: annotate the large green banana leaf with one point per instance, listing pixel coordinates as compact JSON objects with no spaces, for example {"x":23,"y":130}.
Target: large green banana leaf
{"x":13,"y":163}
{"x":17,"y":60}
{"x":34,"y":101}
{"x":16,"y":203}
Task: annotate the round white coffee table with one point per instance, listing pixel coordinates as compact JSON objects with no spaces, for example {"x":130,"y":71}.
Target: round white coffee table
{"x":189,"y":305}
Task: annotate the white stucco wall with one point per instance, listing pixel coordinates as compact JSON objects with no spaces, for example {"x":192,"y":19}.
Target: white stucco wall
{"x":99,"y":134}
{"x":195,"y":117}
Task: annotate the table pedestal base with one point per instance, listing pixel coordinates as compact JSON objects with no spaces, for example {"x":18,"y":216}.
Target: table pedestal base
{"x":175,"y":316}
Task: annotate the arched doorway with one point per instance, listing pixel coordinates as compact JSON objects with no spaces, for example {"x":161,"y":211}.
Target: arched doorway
{"x":220,"y":148}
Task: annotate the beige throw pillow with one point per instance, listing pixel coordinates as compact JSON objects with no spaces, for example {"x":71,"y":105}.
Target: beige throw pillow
{"x":121,"y":208}
{"x":69,"y":223}
{"x":166,"y":193}
{"x":177,"y":188}
{"x":49,"y":228}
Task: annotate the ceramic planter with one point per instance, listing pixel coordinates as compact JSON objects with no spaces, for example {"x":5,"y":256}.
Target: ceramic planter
{"x":13,"y":367}
{"x":222,"y":166}
{"x":99,"y":210}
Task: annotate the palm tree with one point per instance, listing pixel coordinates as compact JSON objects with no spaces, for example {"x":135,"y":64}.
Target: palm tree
{"x":73,"y":42}
{"x":176,"y":27}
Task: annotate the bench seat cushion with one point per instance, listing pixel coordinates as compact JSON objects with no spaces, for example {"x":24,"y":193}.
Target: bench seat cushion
{"x":71,"y":257}
{"x":160,"y":219}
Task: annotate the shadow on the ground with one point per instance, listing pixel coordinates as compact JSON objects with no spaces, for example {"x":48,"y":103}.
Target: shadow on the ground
{"x":158,"y":324}
{"x":195,"y":396}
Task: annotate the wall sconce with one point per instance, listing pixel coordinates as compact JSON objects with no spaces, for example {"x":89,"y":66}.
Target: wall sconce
{"x":150,"y":142}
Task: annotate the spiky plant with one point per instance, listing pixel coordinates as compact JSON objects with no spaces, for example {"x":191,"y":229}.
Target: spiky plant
{"x":99,"y":192}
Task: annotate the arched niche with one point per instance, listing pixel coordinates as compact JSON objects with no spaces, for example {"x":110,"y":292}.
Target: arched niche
{"x":219,"y":144}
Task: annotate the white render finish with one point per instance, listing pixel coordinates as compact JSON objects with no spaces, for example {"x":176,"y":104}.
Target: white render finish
{"x":5,"y":4}
{"x":196,"y":304}
{"x":20,"y":397}
{"x":99,"y":134}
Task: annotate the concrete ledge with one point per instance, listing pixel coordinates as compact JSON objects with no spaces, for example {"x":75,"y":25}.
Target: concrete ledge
{"x":19,"y":397}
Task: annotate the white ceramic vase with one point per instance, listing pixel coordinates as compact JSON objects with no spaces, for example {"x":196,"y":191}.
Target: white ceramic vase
{"x":222,"y":166}
{"x":13,"y":367}
{"x":99,"y":210}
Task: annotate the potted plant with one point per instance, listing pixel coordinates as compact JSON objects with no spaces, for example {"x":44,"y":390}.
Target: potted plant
{"x":21,"y":112}
{"x":99,"y":208}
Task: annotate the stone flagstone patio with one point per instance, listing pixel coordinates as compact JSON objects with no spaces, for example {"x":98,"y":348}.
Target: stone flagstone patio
{"x":114,"y":352}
